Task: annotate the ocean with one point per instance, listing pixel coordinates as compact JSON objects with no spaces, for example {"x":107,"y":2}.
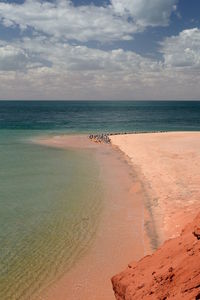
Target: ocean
{"x":100,"y":116}
{"x":51,"y":199}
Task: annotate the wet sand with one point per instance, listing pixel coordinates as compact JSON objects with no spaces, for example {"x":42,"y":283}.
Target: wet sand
{"x":168,"y":165}
{"x":120,"y":236}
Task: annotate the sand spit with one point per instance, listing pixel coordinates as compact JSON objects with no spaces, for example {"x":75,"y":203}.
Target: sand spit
{"x":105,"y":137}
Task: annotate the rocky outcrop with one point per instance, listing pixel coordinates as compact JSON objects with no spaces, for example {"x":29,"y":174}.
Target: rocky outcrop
{"x":172,"y":272}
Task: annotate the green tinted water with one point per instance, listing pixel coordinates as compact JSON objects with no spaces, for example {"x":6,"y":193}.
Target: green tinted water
{"x":50,"y":201}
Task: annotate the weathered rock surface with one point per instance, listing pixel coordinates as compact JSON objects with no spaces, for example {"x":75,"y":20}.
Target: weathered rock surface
{"x":172,"y":272}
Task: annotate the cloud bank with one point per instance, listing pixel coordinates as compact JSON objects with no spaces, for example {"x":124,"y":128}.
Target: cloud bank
{"x":55,"y":61}
{"x":116,"y":21}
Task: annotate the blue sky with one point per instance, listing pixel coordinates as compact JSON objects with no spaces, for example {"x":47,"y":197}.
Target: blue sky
{"x":117,"y":49}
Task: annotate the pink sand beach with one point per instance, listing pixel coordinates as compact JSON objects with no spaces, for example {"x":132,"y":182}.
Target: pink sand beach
{"x":151,"y":191}
{"x":168,"y":164}
{"x":120,"y":235}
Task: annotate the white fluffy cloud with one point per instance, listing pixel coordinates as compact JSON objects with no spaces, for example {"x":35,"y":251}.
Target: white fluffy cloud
{"x":182,"y":50}
{"x":65,"y":57}
{"x":146,"y":12}
{"x":62,"y":19}
{"x":50,"y":66}
{"x":72,"y":72}
{"x":52,"y":70}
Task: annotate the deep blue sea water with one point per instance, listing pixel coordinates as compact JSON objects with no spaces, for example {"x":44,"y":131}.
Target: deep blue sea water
{"x":50,"y":199}
{"x":94,"y":116}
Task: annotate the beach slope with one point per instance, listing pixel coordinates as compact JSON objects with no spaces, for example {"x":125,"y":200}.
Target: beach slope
{"x":168,"y":164}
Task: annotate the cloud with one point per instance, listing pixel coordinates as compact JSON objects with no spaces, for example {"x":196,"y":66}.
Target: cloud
{"x":44,"y":68}
{"x":12,"y":58}
{"x":56,"y":62}
{"x":16,"y":57}
{"x":62,"y":19}
{"x":47,"y":52}
{"x":72,"y":72}
{"x":146,"y":12}
{"x":182,"y":50}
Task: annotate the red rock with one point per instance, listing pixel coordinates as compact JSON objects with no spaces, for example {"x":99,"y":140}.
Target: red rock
{"x":171,"y":272}
{"x":196,"y":232}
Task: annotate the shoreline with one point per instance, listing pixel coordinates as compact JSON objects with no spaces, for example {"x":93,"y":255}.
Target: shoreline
{"x":120,"y":235}
{"x":151,"y":236}
{"x":161,"y":168}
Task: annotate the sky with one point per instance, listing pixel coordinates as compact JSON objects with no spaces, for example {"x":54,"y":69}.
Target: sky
{"x":100,"y":49}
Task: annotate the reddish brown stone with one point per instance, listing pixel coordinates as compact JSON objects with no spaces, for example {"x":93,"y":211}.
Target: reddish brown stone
{"x":196,"y":232}
{"x":172,"y":272}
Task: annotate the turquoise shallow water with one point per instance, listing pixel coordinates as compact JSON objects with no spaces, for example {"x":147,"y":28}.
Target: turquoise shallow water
{"x":49,"y":207}
{"x":51,"y":199}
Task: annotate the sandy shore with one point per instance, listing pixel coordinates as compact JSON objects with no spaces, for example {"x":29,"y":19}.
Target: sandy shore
{"x":168,"y":164}
{"x":120,"y":235}
{"x":157,"y":190}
